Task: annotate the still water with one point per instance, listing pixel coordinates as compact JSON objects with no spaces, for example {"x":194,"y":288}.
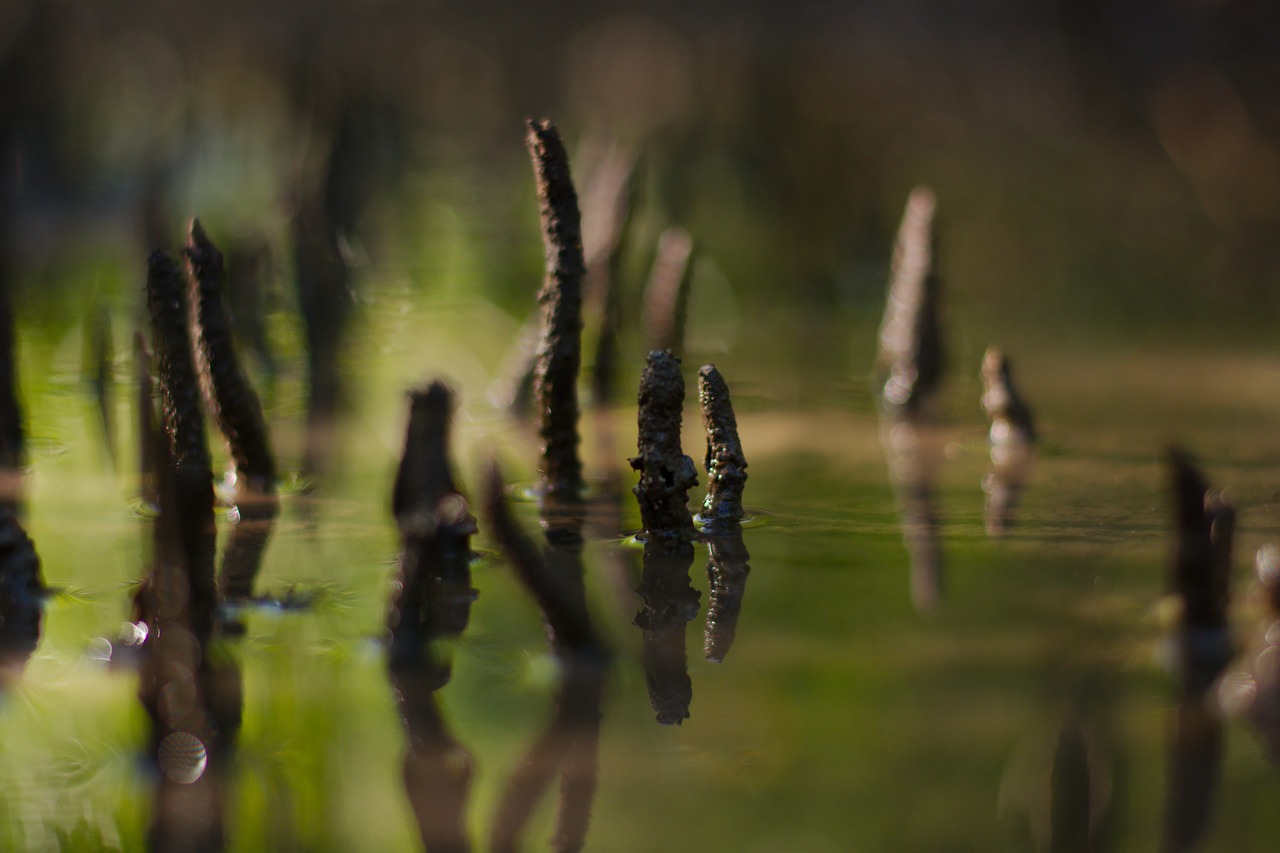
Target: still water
{"x":840,"y":718}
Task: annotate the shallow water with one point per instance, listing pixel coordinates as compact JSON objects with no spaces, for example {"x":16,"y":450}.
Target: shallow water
{"x":840,"y":718}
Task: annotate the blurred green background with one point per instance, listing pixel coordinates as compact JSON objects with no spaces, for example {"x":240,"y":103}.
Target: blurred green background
{"x":1109,"y":194}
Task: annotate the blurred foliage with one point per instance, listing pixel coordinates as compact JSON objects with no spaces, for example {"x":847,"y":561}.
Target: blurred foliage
{"x":1111,"y":163}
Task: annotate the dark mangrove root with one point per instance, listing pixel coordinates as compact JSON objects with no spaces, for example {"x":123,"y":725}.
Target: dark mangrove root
{"x":188,"y":454}
{"x":228,"y":395}
{"x":666,"y":296}
{"x":437,"y":769}
{"x":1200,"y":578}
{"x":725,"y":462}
{"x":13,"y":451}
{"x":668,"y":601}
{"x":722,"y":513}
{"x":560,"y":348}
{"x":910,"y":360}
{"x":432,"y":599}
{"x":433,"y":592}
{"x":22,"y":597}
{"x":233,"y":403}
{"x":666,"y":474}
{"x":570,"y":743}
{"x":1013,"y":439}
{"x":727,"y":570}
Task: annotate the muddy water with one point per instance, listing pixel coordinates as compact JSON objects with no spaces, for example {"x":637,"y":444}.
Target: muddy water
{"x":1031,"y":706}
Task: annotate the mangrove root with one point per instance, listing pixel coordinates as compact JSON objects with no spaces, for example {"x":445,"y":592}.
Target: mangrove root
{"x":1012,"y":437}
{"x":227,"y":392}
{"x":725,"y":462}
{"x":666,"y":474}
{"x":183,"y":424}
{"x":434,"y":593}
{"x":910,"y":359}
{"x":232,"y":402}
{"x":560,"y":348}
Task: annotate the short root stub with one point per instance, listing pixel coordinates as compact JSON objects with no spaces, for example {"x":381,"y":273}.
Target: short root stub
{"x":666,"y":474}
{"x":1001,"y":399}
{"x":726,"y":464}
